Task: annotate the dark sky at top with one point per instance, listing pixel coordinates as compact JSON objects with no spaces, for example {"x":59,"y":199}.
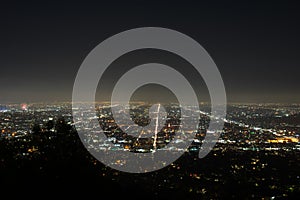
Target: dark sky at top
{"x":256,"y":45}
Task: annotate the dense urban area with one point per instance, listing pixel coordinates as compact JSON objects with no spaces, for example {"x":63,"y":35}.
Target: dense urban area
{"x":257,"y":155}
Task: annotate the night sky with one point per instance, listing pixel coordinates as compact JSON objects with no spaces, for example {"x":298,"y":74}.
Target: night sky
{"x":255,"y":45}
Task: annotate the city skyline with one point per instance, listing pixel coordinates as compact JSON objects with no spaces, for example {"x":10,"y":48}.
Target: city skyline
{"x":151,"y":126}
{"x":257,"y":152}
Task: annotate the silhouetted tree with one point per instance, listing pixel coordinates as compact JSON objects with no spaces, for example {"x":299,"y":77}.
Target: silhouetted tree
{"x":36,"y":129}
{"x":49,"y":125}
{"x":62,"y":126}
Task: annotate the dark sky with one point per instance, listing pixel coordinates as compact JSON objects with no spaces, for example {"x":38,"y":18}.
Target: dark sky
{"x":256,"y":45}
